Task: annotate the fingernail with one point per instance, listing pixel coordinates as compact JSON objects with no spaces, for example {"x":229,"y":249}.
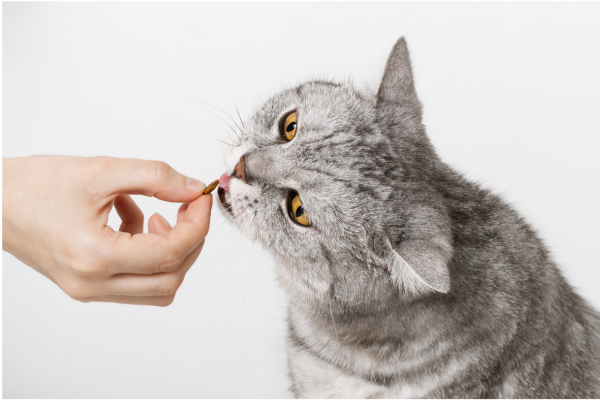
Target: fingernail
{"x":163,"y":220}
{"x":195,"y":185}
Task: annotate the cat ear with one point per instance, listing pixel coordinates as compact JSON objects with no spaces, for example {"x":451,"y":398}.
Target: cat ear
{"x":416,"y":264}
{"x":397,"y":84}
{"x":427,"y":262}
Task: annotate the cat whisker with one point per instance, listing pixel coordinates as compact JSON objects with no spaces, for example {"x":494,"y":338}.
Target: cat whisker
{"x":213,"y":124}
{"x":194,"y":130}
{"x":220,"y":109}
{"x":233,"y":99}
{"x":251,"y":222}
{"x":225,"y":122}
{"x":202,"y":142}
{"x":332,"y":319}
{"x":238,"y":308}
{"x":229,"y":267}
{"x":240,"y":117}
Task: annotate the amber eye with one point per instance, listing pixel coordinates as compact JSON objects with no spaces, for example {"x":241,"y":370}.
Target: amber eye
{"x":297,"y":211}
{"x":289,"y":125}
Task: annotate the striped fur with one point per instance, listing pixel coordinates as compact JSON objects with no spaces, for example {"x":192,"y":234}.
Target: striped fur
{"x":412,"y":281}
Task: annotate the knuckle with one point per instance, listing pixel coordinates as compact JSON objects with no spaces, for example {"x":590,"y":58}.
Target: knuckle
{"x":81,"y":299}
{"x":76,"y":290}
{"x":80,"y":269}
{"x":170,"y":262}
{"x":96,"y":166}
{"x":86,"y":269}
{"x":162,"y":170}
{"x":95,"y":169}
{"x":99,"y":161}
{"x":165,"y":301}
{"x":169,"y":287}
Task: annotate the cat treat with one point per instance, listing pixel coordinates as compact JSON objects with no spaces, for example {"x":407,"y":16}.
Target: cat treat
{"x":211,"y":187}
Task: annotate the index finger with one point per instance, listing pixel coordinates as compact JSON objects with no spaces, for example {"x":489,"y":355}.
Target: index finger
{"x":150,"y":253}
{"x":150,"y":178}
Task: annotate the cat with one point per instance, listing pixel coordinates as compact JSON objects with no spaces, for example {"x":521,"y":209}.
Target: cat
{"x":404,"y":279}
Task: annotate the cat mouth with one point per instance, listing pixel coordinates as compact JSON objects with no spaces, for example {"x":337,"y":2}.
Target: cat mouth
{"x":224,"y":197}
{"x":223,"y":192}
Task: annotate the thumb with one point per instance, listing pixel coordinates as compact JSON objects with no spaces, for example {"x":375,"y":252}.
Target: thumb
{"x":148,"y":178}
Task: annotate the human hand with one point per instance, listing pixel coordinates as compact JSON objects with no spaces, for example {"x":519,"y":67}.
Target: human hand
{"x":54,"y":215}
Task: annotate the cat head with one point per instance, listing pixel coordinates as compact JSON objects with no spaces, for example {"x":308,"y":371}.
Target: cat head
{"x":335,"y":183}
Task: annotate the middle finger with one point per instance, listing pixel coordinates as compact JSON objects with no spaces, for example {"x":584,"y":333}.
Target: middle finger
{"x":159,"y":284}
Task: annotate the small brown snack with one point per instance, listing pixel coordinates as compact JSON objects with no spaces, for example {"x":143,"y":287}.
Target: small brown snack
{"x":211,"y":187}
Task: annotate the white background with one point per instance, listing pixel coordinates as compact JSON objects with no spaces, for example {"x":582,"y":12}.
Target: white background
{"x":512,"y":99}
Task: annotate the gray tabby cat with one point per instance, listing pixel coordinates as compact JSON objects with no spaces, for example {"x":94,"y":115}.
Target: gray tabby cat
{"x":404,"y":279}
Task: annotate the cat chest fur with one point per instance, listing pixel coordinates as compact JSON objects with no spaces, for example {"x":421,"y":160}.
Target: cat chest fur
{"x":322,"y":365}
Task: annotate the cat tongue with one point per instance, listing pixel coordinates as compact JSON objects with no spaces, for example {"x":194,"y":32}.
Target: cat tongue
{"x":224,"y":181}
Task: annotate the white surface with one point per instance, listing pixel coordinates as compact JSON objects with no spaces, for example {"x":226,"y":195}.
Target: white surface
{"x":511,"y":95}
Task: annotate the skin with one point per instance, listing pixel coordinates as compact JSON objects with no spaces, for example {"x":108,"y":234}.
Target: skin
{"x":54,"y":215}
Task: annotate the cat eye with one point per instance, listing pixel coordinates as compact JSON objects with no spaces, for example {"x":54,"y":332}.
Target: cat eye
{"x":296,"y":210}
{"x":288,"y":126}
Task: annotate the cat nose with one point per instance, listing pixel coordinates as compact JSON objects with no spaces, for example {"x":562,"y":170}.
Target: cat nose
{"x":240,"y":170}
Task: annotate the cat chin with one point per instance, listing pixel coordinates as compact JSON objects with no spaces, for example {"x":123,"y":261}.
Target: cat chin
{"x":225,"y":201}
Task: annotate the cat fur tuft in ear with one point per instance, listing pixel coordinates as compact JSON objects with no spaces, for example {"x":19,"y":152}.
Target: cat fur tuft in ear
{"x":414,"y":265}
{"x":428,"y":264}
